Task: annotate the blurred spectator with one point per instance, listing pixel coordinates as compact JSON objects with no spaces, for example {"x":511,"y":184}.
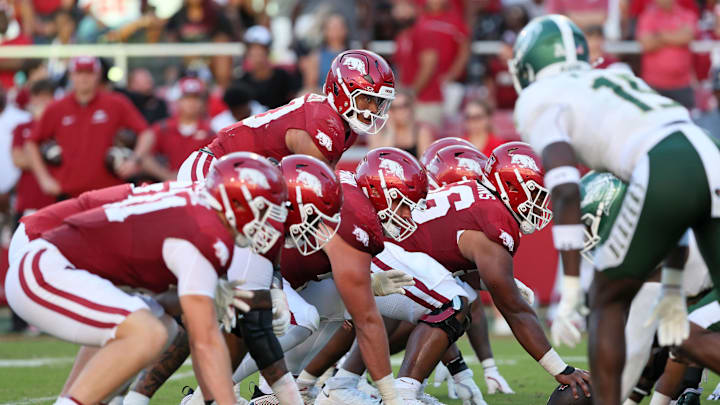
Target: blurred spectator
{"x":710,"y":121}
{"x":65,"y":36}
{"x":104,"y":16}
{"x":10,"y":34}
{"x":315,"y":66}
{"x":271,"y":86}
{"x":431,"y":54}
{"x":665,"y":31}
{"x":478,"y":131}
{"x":499,"y":81}
{"x":596,"y":46}
{"x":199,"y":21}
{"x":10,"y":118}
{"x":238,"y":99}
{"x":141,"y":91}
{"x":403,"y":130}
{"x":584,"y":13}
{"x":180,"y":135}
{"x":145,"y":29}
{"x":84,"y":124}
{"x":28,"y":195}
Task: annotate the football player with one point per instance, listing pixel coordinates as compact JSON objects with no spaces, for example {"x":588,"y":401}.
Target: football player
{"x":358,"y":90}
{"x":611,"y":120}
{"x":65,"y":282}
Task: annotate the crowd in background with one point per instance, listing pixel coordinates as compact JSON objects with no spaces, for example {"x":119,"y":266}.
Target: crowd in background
{"x":51,"y":149}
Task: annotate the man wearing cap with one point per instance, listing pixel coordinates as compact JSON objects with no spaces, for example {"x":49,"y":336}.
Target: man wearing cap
{"x":84,"y":124}
{"x":710,"y":121}
{"x":272,"y":86}
{"x":178,"y":136}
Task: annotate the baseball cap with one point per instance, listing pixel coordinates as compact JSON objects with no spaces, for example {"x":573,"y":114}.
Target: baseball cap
{"x":85,"y":64}
{"x":258,"y":34}
{"x":192,"y":86}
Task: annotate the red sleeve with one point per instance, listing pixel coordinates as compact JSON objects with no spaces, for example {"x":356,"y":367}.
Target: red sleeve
{"x":131,"y":117}
{"x":47,"y":124}
{"x":359,"y":225}
{"x":421,"y":39}
{"x":500,"y":227}
{"x":20,"y":134}
{"x":326,"y":129}
{"x":645,"y":24}
{"x":554,"y":6}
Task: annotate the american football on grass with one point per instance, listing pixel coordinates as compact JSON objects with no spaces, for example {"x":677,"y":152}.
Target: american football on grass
{"x":563,"y":395}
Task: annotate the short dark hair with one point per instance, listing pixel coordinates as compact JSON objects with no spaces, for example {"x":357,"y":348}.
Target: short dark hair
{"x":42,"y":86}
{"x":237,"y":94}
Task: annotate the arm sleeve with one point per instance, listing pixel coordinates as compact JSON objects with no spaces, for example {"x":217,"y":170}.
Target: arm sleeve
{"x":195,"y":274}
{"x":131,"y":117}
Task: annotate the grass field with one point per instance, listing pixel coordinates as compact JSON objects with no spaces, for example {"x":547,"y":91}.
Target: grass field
{"x":32,"y":371}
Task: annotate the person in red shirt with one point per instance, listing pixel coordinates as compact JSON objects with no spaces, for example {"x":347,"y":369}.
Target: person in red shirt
{"x":178,"y":136}
{"x":84,"y":124}
{"x":498,"y":80}
{"x":665,"y":30}
{"x":29,"y":196}
{"x":11,"y":33}
{"x":478,"y":131}
{"x":432,"y":53}
{"x":584,"y":13}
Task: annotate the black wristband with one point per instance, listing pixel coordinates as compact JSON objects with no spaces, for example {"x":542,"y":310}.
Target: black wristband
{"x":568,"y":370}
{"x":456,"y":365}
{"x":209,"y":401}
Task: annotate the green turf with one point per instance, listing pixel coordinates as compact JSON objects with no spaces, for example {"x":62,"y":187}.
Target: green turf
{"x":28,"y":384}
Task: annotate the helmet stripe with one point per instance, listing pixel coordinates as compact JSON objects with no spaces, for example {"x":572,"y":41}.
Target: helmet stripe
{"x":567,"y":37}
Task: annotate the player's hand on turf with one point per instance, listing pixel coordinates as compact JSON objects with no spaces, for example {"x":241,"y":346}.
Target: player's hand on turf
{"x":671,"y":314}
{"x":566,"y":327}
{"x":578,"y":380}
{"x":496,"y":382}
{"x":280,"y":311}
{"x":49,"y":185}
{"x":527,"y":294}
{"x":442,"y":374}
{"x":390,"y":282}
{"x":467,"y":390}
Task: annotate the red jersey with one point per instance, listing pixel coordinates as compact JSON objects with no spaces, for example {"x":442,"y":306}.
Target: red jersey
{"x":264,"y":133}
{"x":53,"y":216}
{"x":359,"y":227}
{"x":453,"y":209}
{"x":123,"y":242}
{"x":176,"y":146}
{"x":29,"y":195}
{"x":85,"y":133}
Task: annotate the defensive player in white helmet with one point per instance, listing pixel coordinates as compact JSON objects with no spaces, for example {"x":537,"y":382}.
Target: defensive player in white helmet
{"x":613,"y":121}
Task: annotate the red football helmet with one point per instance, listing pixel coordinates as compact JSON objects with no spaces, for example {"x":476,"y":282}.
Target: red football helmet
{"x":357,"y":79}
{"x":434,"y":147}
{"x":393,"y":178}
{"x":515,"y":173}
{"x":457,"y":163}
{"x":251,"y":193}
{"x":315,"y":200}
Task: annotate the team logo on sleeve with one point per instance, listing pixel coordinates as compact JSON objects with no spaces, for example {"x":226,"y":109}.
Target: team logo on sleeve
{"x":361,"y":236}
{"x":253,"y":176}
{"x":310,"y":181}
{"x":392,"y":167}
{"x":470,"y":164}
{"x":524,"y":161}
{"x":324,"y":140}
{"x":221,"y":251}
{"x":507,"y":240}
{"x":355,"y":64}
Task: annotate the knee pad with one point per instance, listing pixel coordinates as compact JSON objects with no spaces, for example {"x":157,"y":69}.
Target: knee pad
{"x":255,"y":327}
{"x":453,"y":317}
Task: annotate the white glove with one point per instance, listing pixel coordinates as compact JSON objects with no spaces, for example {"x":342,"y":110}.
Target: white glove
{"x":493,"y":380}
{"x":227,"y":300}
{"x":390,"y":282}
{"x":527,"y":294}
{"x":566,"y":326}
{"x":280,"y":311}
{"x":671,"y":310}
{"x":467,"y":390}
{"x":442,"y":374}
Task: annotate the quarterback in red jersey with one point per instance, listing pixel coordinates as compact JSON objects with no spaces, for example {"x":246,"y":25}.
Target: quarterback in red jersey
{"x":358,"y":91}
{"x":65,"y":282}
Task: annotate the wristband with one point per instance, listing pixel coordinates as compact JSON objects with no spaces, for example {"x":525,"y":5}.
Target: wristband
{"x":671,"y":277}
{"x":569,"y":237}
{"x":488,"y":363}
{"x":568,"y":370}
{"x":456,"y":365}
{"x":552,"y":363}
{"x":561,"y":175}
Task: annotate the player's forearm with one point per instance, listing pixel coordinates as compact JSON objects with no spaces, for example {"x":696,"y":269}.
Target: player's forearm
{"x":155,"y":169}
{"x":35,"y":160}
{"x":566,"y":207}
{"x":527,"y":330}
{"x":460,"y":62}
{"x":19,"y":159}
{"x":373,"y":343}
{"x":211,"y":362}
{"x":679,"y":37}
{"x":428,"y":63}
{"x":145,"y":144}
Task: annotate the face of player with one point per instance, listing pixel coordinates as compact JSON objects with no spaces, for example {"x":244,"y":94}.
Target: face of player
{"x":85,"y":82}
{"x":403,"y":209}
{"x":367,"y":102}
{"x":190,"y":107}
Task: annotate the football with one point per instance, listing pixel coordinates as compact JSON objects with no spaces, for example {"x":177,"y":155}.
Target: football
{"x":115,"y":156}
{"x":562,"y":395}
{"x":51,"y":152}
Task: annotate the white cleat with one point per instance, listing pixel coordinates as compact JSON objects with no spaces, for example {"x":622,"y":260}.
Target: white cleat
{"x":428,"y":399}
{"x":368,"y":388}
{"x":340,"y":391}
{"x":308,"y":393}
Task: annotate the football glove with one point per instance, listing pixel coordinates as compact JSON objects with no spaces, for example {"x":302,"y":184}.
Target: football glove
{"x":280,"y":311}
{"x":671,"y":310}
{"x":390,"y":282}
{"x":228,"y":299}
{"x":467,"y":390}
